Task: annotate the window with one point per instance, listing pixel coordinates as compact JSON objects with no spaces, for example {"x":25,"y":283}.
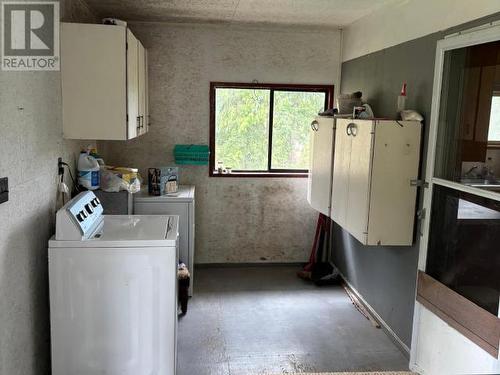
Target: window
{"x":494,"y":128}
{"x":263,"y":130}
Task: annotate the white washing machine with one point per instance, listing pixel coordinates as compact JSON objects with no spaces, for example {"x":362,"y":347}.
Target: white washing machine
{"x":113,"y":291}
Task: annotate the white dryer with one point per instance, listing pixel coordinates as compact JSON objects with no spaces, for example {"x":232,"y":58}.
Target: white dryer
{"x":113,"y":291}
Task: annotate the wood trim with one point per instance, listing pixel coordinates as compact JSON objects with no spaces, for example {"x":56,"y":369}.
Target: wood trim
{"x":211,"y":159}
{"x":329,"y":100}
{"x":258,"y":174}
{"x":276,"y":86}
{"x":270,"y":131}
{"x":472,"y":321}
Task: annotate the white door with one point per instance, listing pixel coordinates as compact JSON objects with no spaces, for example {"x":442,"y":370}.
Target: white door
{"x":358,"y":196}
{"x":461,"y":226}
{"x":320,"y":171}
{"x":342,"y":160}
{"x":133,"y":124}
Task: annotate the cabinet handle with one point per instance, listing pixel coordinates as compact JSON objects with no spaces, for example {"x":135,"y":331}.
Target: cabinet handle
{"x":352,"y":129}
{"x":315,"y":126}
{"x":142,"y":121}
{"x":138,"y":122}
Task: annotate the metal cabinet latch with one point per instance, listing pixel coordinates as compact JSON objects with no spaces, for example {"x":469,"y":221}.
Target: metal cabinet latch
{"x":419,"y":183}
{"x":421,"y":214}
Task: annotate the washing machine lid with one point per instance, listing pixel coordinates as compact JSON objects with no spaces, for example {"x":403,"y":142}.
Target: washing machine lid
{"x":129,"y":231}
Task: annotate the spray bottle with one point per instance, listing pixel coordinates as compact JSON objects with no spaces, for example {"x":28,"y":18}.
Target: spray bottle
{"x":402,"y":99}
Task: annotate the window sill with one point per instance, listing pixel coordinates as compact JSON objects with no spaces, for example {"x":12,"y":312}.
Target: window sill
{"x":260,"y":174}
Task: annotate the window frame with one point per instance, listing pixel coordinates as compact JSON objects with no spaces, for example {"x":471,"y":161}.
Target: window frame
{"x":328,"y":90}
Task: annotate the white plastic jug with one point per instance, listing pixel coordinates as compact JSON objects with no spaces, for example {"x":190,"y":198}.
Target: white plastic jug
{"x":88,"y":171}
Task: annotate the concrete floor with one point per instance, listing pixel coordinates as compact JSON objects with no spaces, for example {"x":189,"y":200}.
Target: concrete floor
{"x":264,"y":320}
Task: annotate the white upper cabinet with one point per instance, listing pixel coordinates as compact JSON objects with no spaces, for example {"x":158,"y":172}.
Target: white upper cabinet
{"x":374,"y":164}
{"x":104,"y":82}
{"x":320,"y":168}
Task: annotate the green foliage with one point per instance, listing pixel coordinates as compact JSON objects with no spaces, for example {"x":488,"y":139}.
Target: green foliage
{"x":293,"y":113}
{"x":242,"y":128}
{"x":241,"y":135}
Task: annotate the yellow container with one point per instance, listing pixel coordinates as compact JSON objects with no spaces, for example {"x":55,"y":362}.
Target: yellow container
{"x":127,"y":174}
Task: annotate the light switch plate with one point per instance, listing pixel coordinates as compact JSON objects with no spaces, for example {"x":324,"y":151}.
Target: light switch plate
{"x":4,"y":189}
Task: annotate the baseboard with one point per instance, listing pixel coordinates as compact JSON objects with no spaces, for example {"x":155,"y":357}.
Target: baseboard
{"x":255,"y":264}
{"x":388,"y":330}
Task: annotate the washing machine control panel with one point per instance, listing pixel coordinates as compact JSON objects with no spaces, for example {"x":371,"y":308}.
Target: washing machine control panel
{"x":85,"y":210}
{"x":78,"y":218}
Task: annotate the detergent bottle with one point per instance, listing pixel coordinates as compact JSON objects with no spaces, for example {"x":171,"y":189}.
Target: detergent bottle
{"x":88,"y":171}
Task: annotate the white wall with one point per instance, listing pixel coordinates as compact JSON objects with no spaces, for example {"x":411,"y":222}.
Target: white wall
{"x":31,"y":141}
{"x":237,"y":219}
{"x":442,"y":350}
{"x":405,"y":20}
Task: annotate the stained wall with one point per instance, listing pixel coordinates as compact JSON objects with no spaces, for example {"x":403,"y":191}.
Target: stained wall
{"x":31,"y":141}
{"x":237,"y":219}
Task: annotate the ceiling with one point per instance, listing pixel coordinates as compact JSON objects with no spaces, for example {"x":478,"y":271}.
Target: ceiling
{"x":323,"y":13}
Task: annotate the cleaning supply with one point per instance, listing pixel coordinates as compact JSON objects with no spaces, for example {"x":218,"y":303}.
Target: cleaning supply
{"x":88,"y":171}
{"x":402,"y":99}
{"x":92,"y":151}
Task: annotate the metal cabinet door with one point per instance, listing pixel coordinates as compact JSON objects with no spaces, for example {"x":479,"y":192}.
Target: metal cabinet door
{"x":340,"y":181}
{"x":360,"y":168}
{"x":320,"y":170}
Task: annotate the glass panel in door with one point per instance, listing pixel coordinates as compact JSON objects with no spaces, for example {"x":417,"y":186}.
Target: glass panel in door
{"x":463,"y":251}
{"x":468,"y":141}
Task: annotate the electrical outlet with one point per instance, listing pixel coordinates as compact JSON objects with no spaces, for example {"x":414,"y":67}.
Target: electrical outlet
{"x":4,"y":189}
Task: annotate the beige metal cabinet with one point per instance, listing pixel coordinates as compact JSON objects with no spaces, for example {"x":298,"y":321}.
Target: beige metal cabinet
{"x":104,"y":82}
{"x":320,"y":166}
{"x":372,"y":194}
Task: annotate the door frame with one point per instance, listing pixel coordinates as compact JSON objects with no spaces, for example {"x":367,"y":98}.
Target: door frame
{"x":479,"y":35}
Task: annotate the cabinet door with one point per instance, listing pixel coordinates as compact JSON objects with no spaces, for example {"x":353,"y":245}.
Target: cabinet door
{"x":358,"y":196}
{"x":132,"y":85}
{"x":141,"y":66}
{"x":395,"y":163}
{"x":472,"y":78}
{"x":340,"y":181}
{"x":93,"y":80}
{"x":320,"y":170}
{"x":484,"y":106}
{"x":146,"y":91}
